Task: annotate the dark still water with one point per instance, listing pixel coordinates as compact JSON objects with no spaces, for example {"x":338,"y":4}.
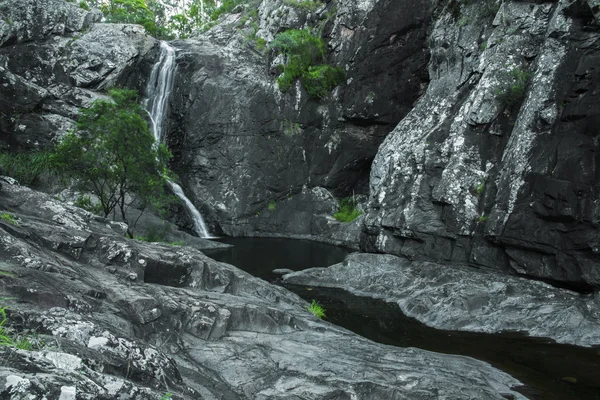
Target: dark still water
{"x":260,"y":256}
{"x":549,"y":371}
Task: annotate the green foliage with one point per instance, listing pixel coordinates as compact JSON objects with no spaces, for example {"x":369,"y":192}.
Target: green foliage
{"x":316,"y":309}
{"x":148,"y":13}
{"x":304,"y":53}
{"x":86,"y":203}
{"x":301,"y":49}
{"x":308,"y":5}
{"x":320,"y":80}
{"x":482,"y":218}
{"x":5,"y":339}
{"x":166,"y":396}
{"x":226,"y":7}
{"x":9,"y":218}
{"x":113,"y":155}
{"x":347,"y":211}
{"x":272,"y":205}
{"x":260,"y":43}
{"x":27,"y":168}
{"x":84,"y":5}
{"x":513,"y":95}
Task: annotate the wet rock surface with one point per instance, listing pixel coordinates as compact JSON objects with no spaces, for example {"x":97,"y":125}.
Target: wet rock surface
{"x":464,"y":298}
{"x":494,"y":166}
{"x":202,"y":330}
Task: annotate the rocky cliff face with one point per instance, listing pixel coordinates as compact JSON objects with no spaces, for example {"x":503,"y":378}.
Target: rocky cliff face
{"x":240,"y":143}
{"x":497,"y":164}
{"x":53,"y":60}
{"x":492,"y":106}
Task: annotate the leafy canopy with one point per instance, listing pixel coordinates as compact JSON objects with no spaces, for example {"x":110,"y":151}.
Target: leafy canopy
{"x":114,"y":155}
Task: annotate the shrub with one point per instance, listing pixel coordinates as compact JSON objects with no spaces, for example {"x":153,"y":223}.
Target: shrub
{"x":86,"y":203}
{"x":272,"y":205}
{"x":512,"y":96}
{"x":316,"y":309}
{"x":320,"y":80}
{"x":304,"y":53}
{"x":347,"y":211}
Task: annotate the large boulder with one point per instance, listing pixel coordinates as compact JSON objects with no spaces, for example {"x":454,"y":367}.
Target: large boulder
{"x":495,"y":165}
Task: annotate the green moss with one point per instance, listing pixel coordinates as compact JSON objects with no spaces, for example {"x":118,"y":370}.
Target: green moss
{"x":272,"y":205}
{"x":347,"y":211}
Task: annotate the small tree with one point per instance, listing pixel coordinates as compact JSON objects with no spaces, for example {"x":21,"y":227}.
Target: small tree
{"x":114,"y":155}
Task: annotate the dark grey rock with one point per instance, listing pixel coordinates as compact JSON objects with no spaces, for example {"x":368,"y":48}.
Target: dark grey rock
{"x":466,"y":179}
{"x":54,"y":60}
{"x":240,"y":143}
{"x":282,"y":271}
{"x":464,"y":298}
{"x":186,"y":325}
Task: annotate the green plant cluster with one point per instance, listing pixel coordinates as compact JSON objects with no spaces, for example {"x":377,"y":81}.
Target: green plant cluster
{"x":272,"y":205}
{"x":305,"y":53}
{"x":512,"y":96}
{"x":9,"y":218}
{"x":9,"y":340}
{"x":316,"y":309}
{"x":348,"y":210}
{"x":27,"y":168}
{"x":86,"y":203}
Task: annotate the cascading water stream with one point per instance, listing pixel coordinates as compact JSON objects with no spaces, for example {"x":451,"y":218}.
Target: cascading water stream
{"x":158,"y":91}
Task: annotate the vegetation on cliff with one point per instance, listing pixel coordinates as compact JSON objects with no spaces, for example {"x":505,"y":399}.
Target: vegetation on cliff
{"x":304,"y":54}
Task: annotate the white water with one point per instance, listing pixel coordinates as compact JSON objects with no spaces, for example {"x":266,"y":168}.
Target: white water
{"x":158,"y":91}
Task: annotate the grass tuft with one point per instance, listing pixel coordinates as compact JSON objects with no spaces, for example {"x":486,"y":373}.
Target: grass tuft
{"x":9,"y":218}
{"x":316,"y":309}
{"x":348,"y":210}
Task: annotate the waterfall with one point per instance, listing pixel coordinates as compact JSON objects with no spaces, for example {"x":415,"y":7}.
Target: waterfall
{"x":158,"y":91}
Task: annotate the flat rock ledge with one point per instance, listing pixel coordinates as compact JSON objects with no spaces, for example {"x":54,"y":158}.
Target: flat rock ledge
{"x":115,"y":318}
{"x":464,"y":298}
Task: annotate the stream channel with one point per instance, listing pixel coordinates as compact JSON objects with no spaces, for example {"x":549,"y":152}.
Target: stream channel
{"x":548,"y":370}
